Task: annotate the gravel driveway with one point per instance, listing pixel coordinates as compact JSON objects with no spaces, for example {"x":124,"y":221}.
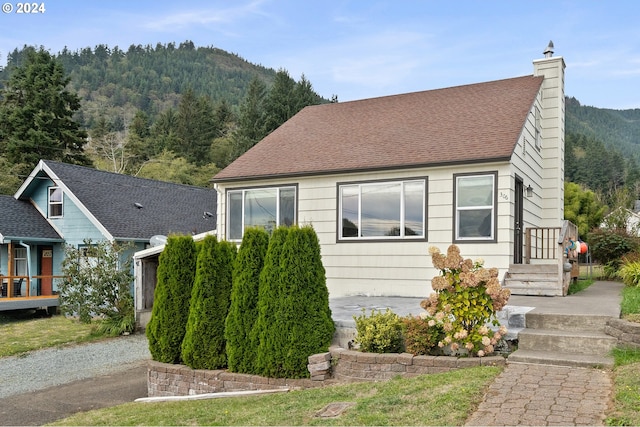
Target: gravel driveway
{"x":55,"y":366}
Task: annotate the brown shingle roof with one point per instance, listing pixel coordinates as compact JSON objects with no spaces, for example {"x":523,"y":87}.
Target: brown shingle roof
{"x":463,"y":124}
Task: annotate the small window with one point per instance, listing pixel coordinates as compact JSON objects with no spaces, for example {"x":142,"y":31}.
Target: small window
{"x":260,"y":207}
{"x":538,"y":129}
{"x":382,"y":210}
{"x":475,"y":207}
{"x":20,"y":265}
{"x":55,"y":202}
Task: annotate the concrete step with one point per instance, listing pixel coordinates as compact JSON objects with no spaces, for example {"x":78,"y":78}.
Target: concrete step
{"x":566,"y":322}
{"x":553,"y":340}
{"x":533,"y":268}
{"x":543,"y":357}
{"x":535,"y":288}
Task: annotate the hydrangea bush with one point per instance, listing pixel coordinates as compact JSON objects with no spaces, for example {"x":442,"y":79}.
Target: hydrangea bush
{"x":465,"y":301}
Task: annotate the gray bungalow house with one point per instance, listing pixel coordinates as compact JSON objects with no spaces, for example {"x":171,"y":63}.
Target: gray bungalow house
{"x":383,"y":179}
{"x":62,"y":204}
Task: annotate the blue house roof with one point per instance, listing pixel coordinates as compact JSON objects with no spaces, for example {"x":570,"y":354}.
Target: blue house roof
{"x":128,"y":207}
{"x":20,"y":220}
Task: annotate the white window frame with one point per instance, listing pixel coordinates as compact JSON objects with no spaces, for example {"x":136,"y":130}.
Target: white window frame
{"x":538,"y":127}
{"x":457,"y":238}
{"x":56,"y":203}
{"x":243,"y":192}
{"x":360,"y":185}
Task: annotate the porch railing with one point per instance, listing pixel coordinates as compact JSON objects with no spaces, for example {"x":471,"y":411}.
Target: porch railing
{"x":550,"y":243}
{"x":13,"y":287}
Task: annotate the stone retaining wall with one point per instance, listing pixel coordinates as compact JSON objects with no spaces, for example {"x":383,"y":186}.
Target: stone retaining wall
{"x":336,"y":366}
{"x":627,"y":333}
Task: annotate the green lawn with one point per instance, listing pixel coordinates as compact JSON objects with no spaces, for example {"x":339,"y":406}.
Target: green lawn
{"x":22,"y":333}
{"x":438,"y":399}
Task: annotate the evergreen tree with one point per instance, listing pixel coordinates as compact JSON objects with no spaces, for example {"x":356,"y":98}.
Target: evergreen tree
{"x":175,"y":276}
{"x":195,"y":128}
{"x":303,"y":309}
{"x":36,"y":114}
{"x":250,"y":129}
{"x":269,"y":332}
{"x":241,"y":350}
{"x":280,"y":104}
{"x":204,"y":344}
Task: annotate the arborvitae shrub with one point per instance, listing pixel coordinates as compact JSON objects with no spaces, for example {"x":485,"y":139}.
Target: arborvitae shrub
{"x":243,"y":312}
{"x":303,"y":310}
{"x":203,"y":346}
{"x":269,"y":332}
{"x":175,"y":276}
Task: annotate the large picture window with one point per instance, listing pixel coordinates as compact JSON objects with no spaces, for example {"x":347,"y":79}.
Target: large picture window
{"x":382,"y":210}
{"x":267,"y":208}
{"x":55,"y":202}
{"x":475,"y":199}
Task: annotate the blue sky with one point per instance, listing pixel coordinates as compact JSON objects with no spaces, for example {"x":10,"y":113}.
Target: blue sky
{"x":363,"y":49}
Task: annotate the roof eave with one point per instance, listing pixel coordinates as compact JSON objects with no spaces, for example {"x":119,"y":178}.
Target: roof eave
{"x":349,"y":171}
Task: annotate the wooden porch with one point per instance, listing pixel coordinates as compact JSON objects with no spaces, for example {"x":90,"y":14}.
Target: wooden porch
{"x":25,"y":292}
{"x":549,"y":262}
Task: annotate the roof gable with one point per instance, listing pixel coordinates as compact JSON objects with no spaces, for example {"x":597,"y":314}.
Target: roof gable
{"x":110,"y":200}
{"x":472,"y":123}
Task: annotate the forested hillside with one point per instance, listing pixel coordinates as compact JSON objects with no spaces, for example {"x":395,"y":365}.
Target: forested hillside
{"x":114,"y":83}
{"x":176,"y":113}
{"x":618,"y":129}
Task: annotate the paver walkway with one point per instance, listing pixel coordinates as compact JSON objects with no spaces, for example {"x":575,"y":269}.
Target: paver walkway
{"x":545,"y":395}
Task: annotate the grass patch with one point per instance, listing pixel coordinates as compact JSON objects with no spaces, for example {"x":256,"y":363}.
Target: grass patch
{"x":626,"y":407}
{"x":437,"y":399}
{"x":630,"y":304}
{"x":22,"y":333}
{"x":579,"y":285}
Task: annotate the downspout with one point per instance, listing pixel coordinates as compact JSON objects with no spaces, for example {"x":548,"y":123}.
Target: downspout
{"x":28,"y":284}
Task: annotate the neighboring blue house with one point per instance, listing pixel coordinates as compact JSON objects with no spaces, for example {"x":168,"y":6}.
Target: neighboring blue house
{"x":61,"y":204}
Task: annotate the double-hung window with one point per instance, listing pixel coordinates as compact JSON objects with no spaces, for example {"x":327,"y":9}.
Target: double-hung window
{"x":475,"y":207}
{"x":382,"y":210}
{"x":267,"y":208}
{"x":55,"y":202}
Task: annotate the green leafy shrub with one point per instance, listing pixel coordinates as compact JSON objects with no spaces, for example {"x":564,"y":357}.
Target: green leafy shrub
{"x":421,"y":335}
{"x":175,"y":276}
{"x":609,"y":246}
{"x":465,"y":301}
{"x":630,"y":273}
{"x":243,"y":312}
{"x":203,"y":346}
{"x":381,"y":332}
{"x":97,"y":284}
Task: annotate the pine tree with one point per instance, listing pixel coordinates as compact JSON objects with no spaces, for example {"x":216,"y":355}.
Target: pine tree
{"x":241,"y":349}
{"x":175,"y":276}
{"x":269,"y":332}
{"x":203,"y":346}
{"x":36,"y":114}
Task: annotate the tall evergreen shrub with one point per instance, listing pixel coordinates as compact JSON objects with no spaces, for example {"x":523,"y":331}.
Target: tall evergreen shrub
{"x":243,"y":312}
{"x":203,"y":346}
{"x":270,"y":335}
{"x":303,"y":310}
{"x":175,"y":276}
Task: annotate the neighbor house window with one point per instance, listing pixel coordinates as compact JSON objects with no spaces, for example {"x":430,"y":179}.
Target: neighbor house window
{"x":474,"y":211}
{"x":267,"y":208}
{"x":55,"y":202}
{"x":382,"y":210}
{"x":20,"y":261}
